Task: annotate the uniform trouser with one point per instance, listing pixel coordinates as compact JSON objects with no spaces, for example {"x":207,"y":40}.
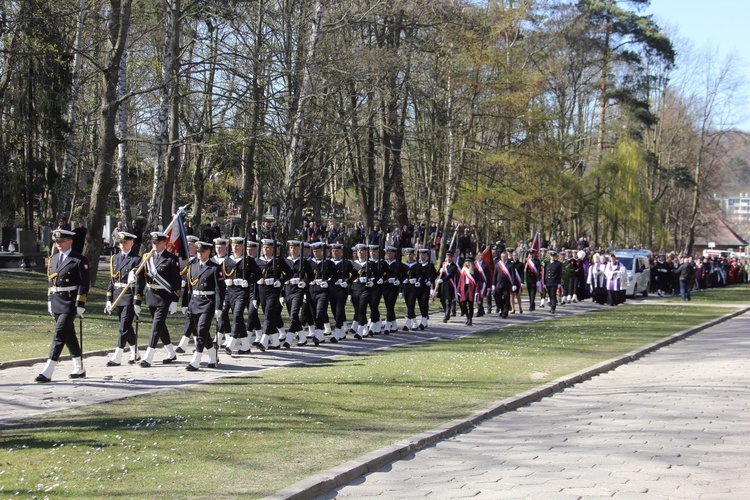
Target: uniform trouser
{"x":319,"y":298}
{"x":376,"y":293}
{"x":189,"y":329}
{"x":269,"y":300}
{"x":224,"y":325}
{"x":410,"y":297}
{"x":338,"y":298}
{"x":570,"y":285}
{"x":159,"y":329}
{"x":307,"y":314}
{"x":447,"y":297}
{"x":531,"y":288}
{"x":236,"y":301}
{"x":294,"y":305}
{"x":489,"y":301}
{"x":551,"y":290}
{"x":423,"y":299}
{"x":390,"y":295}
{"x":253,"y":320}
{"x":202,"y":322}
{"x":127,"y":333}
{"x":360,"y":301}
{"x":65,"y":335}
{"x":467,"y":307}
{"x":502,"y":299}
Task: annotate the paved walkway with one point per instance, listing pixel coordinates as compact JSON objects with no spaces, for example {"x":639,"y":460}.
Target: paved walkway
{"x":672,"y":424}
{"x":21,"y":398}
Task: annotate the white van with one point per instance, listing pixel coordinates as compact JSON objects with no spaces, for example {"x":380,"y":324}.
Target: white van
{"x":639,"y":273}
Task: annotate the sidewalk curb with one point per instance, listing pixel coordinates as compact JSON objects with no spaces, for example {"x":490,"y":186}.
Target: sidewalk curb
{"x":347,"y":472}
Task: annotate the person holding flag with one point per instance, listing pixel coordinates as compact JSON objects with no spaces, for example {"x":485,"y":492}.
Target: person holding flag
{"x":446,"y":281}
{"x":162,"y":293}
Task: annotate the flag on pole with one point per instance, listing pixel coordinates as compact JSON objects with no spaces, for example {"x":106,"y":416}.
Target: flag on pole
{"x":176,"y":237}
{"x":537,"y":244}
{"x":486,"y":258}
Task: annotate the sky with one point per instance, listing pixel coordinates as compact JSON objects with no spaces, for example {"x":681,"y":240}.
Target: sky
{"x":720,"y":24}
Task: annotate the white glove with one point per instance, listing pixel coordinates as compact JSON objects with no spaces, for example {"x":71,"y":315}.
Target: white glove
{"x":493,"y":288}
{"x":397,"y":282}
{"x":350,"y":299}
{"x":515,"y":288}
{"x":428,"y":283}
{"x":439,"y":280}
{"x":217,"y":313}
{"x":413,"y":281}
{"x":229,"y":282}
{"x":380,"y":281}
{"x":338,"y":282}
{"x":281,"y":300}
{"x":538,"y":284}
{"x":294,"y":281}
{"x":261,"y":281}
{"x":137,"y":310}
{"x":362,"y":280}
{"x":255,"y":304}
{"x":301,"y":284}
{"x":270,"y":281}
{"x":244,"y":283}
{"x":369,"y":284}
{"x":392,"y":280}
{"x":323,"y":284}
{"x":108,"y":307}
{"x":277,"y":284}
{"x":184,"y":310}
{"x":304,"y":299}
{"x":80,"y":311}
{"x":132,"y":278}
{"x":344,"y":284}
{"x":400,"y":295}
{"x":173,"y":308}
{"x":49,"y":308}
{"x":417,"y":284}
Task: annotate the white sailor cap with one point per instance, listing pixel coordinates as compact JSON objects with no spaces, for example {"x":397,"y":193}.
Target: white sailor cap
{"x":267,"y":242}
{"x":237,"y":240}
{"x":424,"y":250}
{"x":359,"y":246}
{"x":251,"y":243}
{"x":220,"y":241}
{"x":408,"y":249}
{"x":317,"y":244}
{"x":62,"y":234}
{"x":191,"y":238}
{"x":336,"y":245}
{"x":158,"y":236}
{"x":294,"y":243}
{"x":124,"y":236}
{"x":390,"y":248}
{"x":203,"y":245}
{"x":373,"y":247}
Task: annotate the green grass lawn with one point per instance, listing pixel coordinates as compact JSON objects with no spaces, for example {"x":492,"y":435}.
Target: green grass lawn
{"x":255,"y":434}
{"x":26,"y":328}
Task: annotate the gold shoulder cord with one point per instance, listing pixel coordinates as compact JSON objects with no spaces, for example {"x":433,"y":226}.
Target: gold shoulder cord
{"x":145,"y":258}
{"x":112,"y":268}
{"x":224,"y":270}
{"x":190,"y":278}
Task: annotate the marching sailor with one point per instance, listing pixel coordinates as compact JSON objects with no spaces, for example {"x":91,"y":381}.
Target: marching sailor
{"x":412,"y":286}
{"x":427,"y":276}
{"x":342,"y":278}
{"x":240,"y":274}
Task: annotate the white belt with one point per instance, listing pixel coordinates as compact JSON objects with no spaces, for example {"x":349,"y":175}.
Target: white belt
{"x":155,"y":287}
{"x":201,"y":293}
{"x":120,"y":285}
{"x":58,"y":289}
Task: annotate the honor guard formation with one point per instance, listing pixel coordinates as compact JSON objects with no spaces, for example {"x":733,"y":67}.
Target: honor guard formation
{"x":225,"y":283}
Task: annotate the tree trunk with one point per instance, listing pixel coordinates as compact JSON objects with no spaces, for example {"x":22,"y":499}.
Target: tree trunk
{"x":118,"y":24}
{"x":122,"y":147}
{"x":173,"y":150}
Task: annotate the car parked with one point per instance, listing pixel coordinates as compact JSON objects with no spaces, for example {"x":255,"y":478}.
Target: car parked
{"x":639,"y":273}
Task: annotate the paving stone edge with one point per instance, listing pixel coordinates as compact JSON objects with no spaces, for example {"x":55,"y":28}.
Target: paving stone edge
{"x":347,"y":472}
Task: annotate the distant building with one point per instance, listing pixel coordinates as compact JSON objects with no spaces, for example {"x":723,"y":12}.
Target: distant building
{"x":736,"y":208}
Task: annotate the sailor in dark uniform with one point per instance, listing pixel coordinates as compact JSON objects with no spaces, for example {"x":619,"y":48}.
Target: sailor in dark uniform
{"x":552,"y":279}
{"x":294,"y":293}
{"x":393,"y":275}
{"x":427,"y":276}
{"x":411,"y":288}
{"x":376,"y":292}
{"x":188,"y":329}
{"x":162,"y":293}
{"x":68,"y":275}
{"x":338,"y":294}
{"x":360,"y":290}
{"x":240,"y":274}
{"x":254,"y":328}
{"x":322,"y":274}
{"x":446,"y":280}
{"x":274,"y":273}
{"x":123,"y":279}
{"x":203,"y":298}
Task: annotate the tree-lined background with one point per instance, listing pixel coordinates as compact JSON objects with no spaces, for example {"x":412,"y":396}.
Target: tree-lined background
{"x":569,"y":117}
